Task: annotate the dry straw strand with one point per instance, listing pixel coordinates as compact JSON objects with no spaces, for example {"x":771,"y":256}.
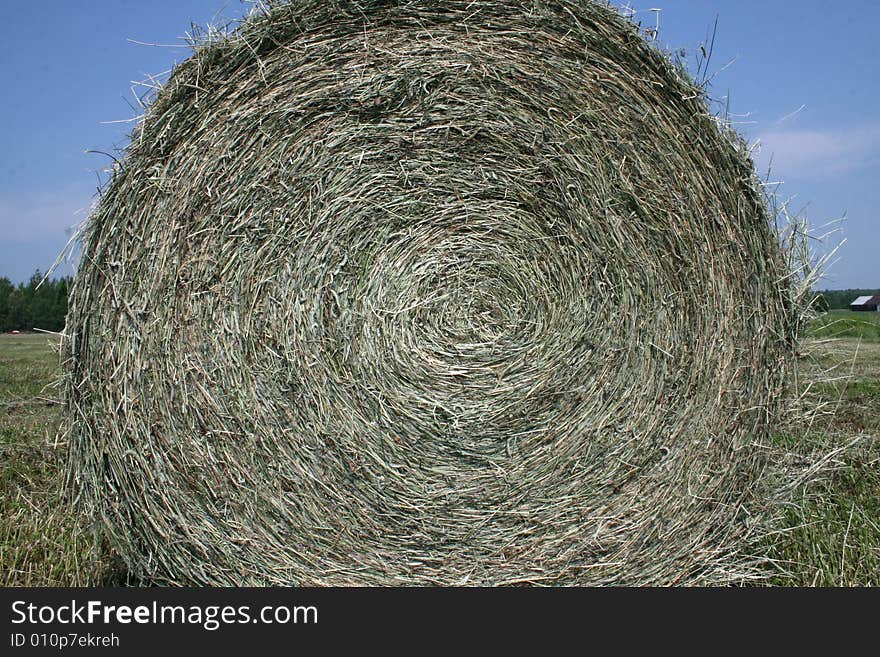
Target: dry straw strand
{"x":422,"y":293}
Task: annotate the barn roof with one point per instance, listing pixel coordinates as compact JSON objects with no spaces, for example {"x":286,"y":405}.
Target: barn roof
{"x":864,"y":301}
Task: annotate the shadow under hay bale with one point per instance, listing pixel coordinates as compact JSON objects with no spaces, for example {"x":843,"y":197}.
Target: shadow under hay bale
{"x":428,"y":293}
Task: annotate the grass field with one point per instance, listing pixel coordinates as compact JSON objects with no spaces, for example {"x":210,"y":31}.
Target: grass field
{"x":829,"y":537}
{"x":832,"y":536}
{"x":847,"y":324}
{"x":41,"y":543}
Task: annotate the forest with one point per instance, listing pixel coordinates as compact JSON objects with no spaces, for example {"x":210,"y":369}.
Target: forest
{"x":839,"y":299}
{"x":37,"y":304}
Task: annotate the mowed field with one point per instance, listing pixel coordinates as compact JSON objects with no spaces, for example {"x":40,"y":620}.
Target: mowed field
{"x":828,"y":536}
{"x":41,"y":542}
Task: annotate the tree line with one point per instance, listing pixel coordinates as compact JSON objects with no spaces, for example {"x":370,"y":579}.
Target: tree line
{"x":36,"y":304}
{"x":839,"y":299}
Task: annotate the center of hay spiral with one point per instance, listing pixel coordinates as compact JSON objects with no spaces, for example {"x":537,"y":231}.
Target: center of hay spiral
{"x":427,"y":293}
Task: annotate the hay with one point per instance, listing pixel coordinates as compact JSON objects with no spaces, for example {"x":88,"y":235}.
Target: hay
{"x":428,"y":293}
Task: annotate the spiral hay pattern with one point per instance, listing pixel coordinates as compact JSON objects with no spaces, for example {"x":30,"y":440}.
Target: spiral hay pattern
{"x":428,"y":293}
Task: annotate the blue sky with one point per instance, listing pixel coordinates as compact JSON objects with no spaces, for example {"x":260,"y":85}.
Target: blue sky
{"x":800,"y":76}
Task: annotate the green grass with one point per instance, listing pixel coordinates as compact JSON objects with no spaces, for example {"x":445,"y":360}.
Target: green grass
{"x":42,"y":542}
{"x":849,"y":390}
{"x":829,"y":537}
{"x":832,"y":535}
{"x":847,"y":324}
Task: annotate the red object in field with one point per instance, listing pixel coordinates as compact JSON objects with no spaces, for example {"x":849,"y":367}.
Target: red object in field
{"x":15,"y":332}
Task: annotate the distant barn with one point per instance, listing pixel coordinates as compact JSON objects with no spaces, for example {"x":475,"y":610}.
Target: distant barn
{"x":865,"y":304}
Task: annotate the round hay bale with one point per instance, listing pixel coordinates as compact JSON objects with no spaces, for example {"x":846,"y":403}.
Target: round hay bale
{"x":428,"y":293}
